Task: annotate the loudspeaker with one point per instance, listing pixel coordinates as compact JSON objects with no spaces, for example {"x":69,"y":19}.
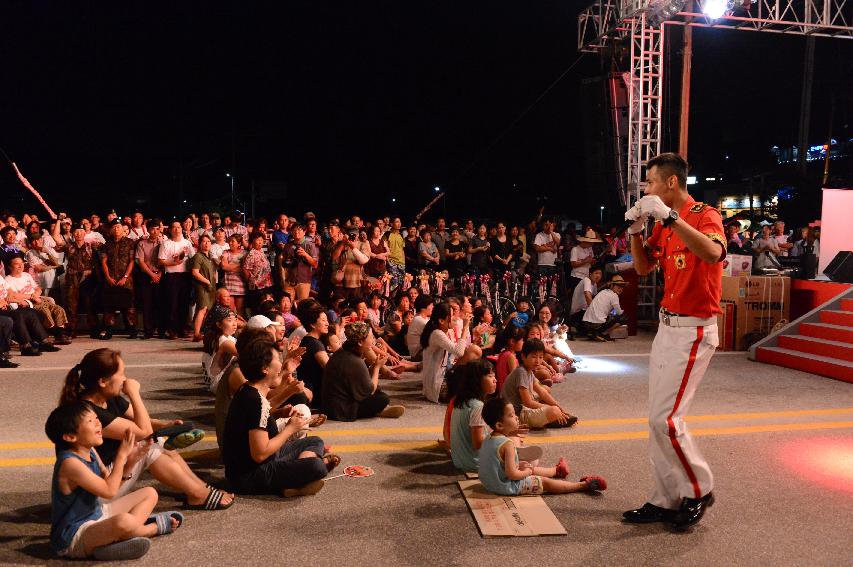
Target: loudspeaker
{"x":841,"y":267}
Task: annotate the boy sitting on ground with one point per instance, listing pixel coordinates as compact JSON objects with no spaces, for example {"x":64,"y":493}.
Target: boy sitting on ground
{"x":81,"y":524}
{"x":533,"y":402}
{"x":502,"y":473}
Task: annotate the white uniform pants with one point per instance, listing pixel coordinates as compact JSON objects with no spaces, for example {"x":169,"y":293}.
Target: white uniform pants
{"x":679,"y":358}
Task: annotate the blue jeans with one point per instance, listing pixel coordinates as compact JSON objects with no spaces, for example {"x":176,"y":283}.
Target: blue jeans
{"x":397,"y":271}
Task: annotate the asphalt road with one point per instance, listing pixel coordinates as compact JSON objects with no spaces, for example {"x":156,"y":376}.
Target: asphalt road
{"x":780,"y":443}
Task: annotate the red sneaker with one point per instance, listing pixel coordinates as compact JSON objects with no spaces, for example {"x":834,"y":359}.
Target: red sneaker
{"x":594,"y":483}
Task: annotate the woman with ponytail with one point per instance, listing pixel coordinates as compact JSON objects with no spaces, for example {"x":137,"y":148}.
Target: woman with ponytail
{"x":100,"y":381}
{"x":440,"y":351}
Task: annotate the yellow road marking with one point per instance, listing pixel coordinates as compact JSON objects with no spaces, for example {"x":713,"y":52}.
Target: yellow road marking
{"x":210,"y":438}
{"x":428,"y":445}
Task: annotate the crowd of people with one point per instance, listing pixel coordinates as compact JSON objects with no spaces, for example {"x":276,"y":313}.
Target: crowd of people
{"x":773,"y":242}
{"x":298,"y":323}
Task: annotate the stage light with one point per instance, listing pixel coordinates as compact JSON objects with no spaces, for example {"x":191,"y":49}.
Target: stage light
{"x":715,"y":9}
{"x":596,"y":365}
{"x":227,"y":175}
{"x":394,"y":200}
{"x":660,"y":12}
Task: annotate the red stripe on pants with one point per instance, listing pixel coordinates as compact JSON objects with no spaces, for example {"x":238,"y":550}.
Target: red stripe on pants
{"x":700,"y":331}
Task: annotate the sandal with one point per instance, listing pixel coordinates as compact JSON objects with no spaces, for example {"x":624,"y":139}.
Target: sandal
{"x":164,"y":521}
{"x":317,"y":420}
{"x":212,"y":502}
{"x":562,"y":468}
{"x":132,"y":548}
{"x":331,"y":460}
{"x":594,"y":483}
{"x":183,"y":440}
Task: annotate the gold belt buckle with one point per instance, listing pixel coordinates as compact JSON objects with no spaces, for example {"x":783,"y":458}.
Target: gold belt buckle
{"x":665,"y":318}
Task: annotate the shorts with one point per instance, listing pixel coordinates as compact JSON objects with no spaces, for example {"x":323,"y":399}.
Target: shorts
{"x":76,"y":550}
{"x":127,"y":486}
{"x":535,"y":418}
{"x":531,"y":486}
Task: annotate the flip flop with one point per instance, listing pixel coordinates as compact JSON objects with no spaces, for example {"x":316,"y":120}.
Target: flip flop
{"x":132,"y":548}
{"x":164,"y":521}
{"x":529,"y":453}
{"x":212,"y":502}
{"x":185,"y":439}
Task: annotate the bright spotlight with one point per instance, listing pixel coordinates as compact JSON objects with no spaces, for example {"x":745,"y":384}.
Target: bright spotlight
{"x":715,"y":9}
{"x":437,"y":188}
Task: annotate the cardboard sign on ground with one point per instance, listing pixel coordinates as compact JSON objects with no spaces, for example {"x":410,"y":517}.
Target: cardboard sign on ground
{"x":760,"y":302}
{"x":505,"y":516}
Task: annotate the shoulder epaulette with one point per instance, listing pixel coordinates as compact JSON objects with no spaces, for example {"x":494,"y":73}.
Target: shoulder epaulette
{"x":698,"y":207}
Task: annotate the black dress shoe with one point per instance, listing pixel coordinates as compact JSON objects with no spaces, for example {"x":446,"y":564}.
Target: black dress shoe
{"x":48,"y":347}
{"x":691,"y":511}
{"x":648,"y":514}
{"x":30,"y":351}
{"x":6,"y":363}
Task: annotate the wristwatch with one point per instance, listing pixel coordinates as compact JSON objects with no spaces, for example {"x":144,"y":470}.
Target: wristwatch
{"x":670,"y":218}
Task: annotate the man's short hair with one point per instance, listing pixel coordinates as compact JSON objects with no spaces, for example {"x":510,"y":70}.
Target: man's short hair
{"x":670,"y":164}
{"x":532,"y":346}
{"x":6,"y":229}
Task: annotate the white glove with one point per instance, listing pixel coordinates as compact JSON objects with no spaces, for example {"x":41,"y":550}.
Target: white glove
{"x":636,"y":214}
{"x":653,"y":207}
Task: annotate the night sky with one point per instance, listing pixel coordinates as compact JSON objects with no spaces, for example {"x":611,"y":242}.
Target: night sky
{"x":340,"y":107}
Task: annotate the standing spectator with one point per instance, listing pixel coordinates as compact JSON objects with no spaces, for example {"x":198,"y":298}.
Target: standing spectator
{"x":236,"y":227}
{"x":767,"y":249}
{"x":478,"y":249}
{"x":547,"y":245}
{"x":204,"y":227}
{"x":232,"y":260}
{"x":502,"y":253}
{"x":378,"y":253}
{"x":80,"y":280}
{"x":581,"y":258}
{"x":303,"y":256}
{"x":256,"y":271}
{"x":396,"y":253}
{"x":204,"y":275}
{"x":810,"y":244}
{"x":735,"y":244}
{"x":137,"y":227}
{"x":781,"y":238}
{"x":454,"y":254}
{"x":93,"y":235}
{"x":410,"y":249}
{"x":428,"y":251}
{"x":440,"y":236}
{"x":117,"y":258}
{"x":146,"y":280}
{"x":174,"y":254}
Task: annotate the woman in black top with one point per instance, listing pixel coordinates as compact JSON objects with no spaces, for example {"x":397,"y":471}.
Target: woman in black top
{"x":99,"y":380}
{"x":352,"y":391}
{"x":455,"y":254}
{"x":310,"y":371}
{"x":259,"y":458}
{"x":478,"y":248}
{"x":501,"y":251}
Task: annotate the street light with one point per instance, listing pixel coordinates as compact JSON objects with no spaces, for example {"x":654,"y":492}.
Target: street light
{"x":437,"y":188}
{"x":231,"y":177}
{"x":601,"y":216}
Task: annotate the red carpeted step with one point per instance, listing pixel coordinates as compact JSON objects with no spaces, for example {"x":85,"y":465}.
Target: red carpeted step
{"x":847,"y":304}
{"x":837,"y":317}
{"x":827,"y":331}
{"x":814,"y":345}
{"x":811,"y":363}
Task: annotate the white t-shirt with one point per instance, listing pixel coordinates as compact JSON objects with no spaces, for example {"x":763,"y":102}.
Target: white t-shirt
{"x":602,"y":305}
{"x":578,"y":297}
{"x":546,"y":258}
{"x":580,"y":253}
{"x":22,"y":284}
{"x":47,"y":278}
{"x":137,"y":233}
{"x":781,"y":239}
{"x":216,"y":251}
{"x":413,"y":335}
{"x":94,"y":237}
{"x":169,"y":249}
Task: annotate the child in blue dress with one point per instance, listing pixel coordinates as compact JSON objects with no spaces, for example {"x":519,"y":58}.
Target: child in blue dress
{"x":502,"y":473}
{"x":81,"y":524}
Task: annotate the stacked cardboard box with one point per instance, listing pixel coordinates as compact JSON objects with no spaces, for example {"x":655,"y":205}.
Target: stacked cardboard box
{"x":737,"y":265}
{"x":758,"y":304}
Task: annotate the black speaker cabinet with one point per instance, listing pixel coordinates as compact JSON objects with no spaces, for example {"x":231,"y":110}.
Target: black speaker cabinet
{"x":841,"y":267}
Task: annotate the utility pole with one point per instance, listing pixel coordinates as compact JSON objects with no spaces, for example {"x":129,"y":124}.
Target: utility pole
{"x":828,"y":140}
{"x":686,"y":70}
{"x":805,"y":106}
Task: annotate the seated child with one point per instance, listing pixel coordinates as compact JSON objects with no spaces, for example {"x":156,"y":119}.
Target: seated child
{"x":81,"y":524}
{"x":507,"y":359}
{"x":532,"y":401}
{"x":502,"y":473}
{"x":467,"y":429}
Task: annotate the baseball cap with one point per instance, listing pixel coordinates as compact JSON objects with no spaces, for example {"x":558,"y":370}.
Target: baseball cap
{"x":261,"y":322}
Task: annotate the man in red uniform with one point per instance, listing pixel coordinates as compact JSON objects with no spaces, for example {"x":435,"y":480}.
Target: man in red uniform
{"x":688,"y":241}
